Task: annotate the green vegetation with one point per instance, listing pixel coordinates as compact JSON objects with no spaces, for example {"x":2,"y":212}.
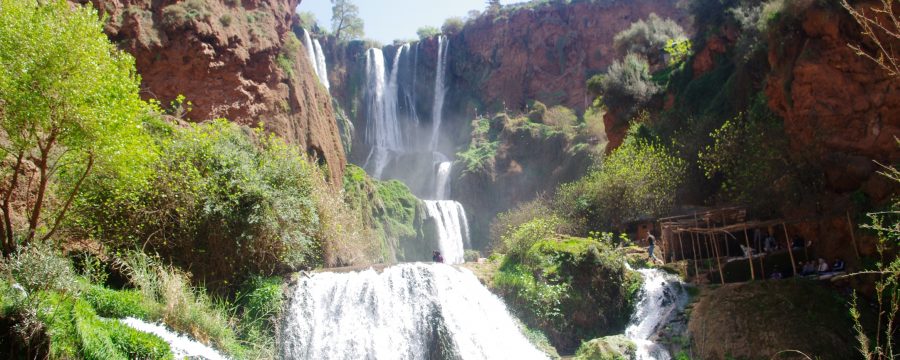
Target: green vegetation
{"x":607,"y":348}
{"x":452,"y":25}
{"x":627,"y":85}
{"x":289,"y":54}
{"x":649,"y":38}
{"x":178,"y":15}
{"x":639,"y":179}
{"x":345,"y":21}
{"x":572,"y":289}
{"x":427,"y":32}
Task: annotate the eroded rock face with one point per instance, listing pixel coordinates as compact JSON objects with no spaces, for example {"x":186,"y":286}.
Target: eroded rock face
{"x":546,"y":53}
{"x":223,"y":56}
{"x":835,"y":104}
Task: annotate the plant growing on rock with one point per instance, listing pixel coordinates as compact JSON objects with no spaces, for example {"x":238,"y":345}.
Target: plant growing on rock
{"x":649,"y":37}
{"x":881,"y":26}
{"x":627,"y":85}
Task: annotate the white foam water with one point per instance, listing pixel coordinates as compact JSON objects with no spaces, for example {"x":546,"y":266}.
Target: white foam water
{"x":181,"y":346}
{"x":662,"y":296}
{"x":409,"y":311}
{"x":452,"y":228}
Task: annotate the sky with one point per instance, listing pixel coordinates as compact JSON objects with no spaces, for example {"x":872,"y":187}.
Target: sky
{"x":387,"y":20}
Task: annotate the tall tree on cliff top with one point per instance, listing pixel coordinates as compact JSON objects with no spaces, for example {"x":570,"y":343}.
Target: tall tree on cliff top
{"x":345,"y":20}
{"x":69,"y":105}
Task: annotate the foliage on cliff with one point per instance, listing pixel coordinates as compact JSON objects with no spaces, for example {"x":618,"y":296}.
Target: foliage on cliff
{"x":572,"y":289}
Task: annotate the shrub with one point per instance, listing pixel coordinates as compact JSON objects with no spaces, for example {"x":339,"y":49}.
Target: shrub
{"x":628,"y":85}
{"x":40,"y":267}
{"x":225,"y":20}
{"x":649,"y":37}
{"x":427,"y":32}
{"x":452,"y":26}
{"x":506,"y":222}
{"x":178,"y":15}
{"x":471,"y":255}
{"x":640,"y":178}
{"x":517,"y":241}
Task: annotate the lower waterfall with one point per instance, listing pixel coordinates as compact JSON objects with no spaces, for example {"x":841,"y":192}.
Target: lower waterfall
{"x":408,"y":311}
{"x":662,"y":296}
{"x":452,"y":228}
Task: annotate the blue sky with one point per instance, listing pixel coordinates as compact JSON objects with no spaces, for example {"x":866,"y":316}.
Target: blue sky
{"x":386,"y":20}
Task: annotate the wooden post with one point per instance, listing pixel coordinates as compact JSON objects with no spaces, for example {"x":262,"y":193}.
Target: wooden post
{"x":695,"y":246}
{"x":724,"y":225}
{"x":750,"y":257}
{"x":787,"y":239}
{"x":716,"y":249}
{"x":681,"y":245}
{"x":852,"y":237}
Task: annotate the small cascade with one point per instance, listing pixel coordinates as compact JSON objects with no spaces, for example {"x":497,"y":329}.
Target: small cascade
{"x":442,"y":188}
{"x":316,"y":58}
{"x":182,"y":346}
{"x":452,"y":228}
{"x":662,"y":296}
{"x":321,"y":66}
{"x":440,"y":89}
{"x":408,"y":311}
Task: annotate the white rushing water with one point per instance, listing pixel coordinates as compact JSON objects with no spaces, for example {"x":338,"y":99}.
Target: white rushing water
{"x":442,"y":188}
{"x":181,"y":346}
{"x":408,"y":311}
{"x":316,"y":58}
{"x":662,"y":296}
{"x":440,"y":89}
{"x":452,"y":228}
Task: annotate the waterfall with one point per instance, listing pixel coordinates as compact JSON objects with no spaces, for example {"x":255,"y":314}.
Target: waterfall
{"x":181,"y":346}
{"x":452,"y":228}
{"x":442,"y":191}
{"x":382,"y":125}
{"x":662,"y":296}
{"x":408,"y":311}
{"x":321,"y":66}
{"x":440,"y":89}
{"x":316,"y":58}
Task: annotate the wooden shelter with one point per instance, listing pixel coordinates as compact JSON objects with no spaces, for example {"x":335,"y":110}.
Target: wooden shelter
{"x":712,"y":233}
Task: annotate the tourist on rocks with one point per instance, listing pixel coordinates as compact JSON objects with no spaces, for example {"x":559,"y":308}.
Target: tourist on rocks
{"x":651,"y":242}
{"x":436,"y":257}
{"x":823,"y":266}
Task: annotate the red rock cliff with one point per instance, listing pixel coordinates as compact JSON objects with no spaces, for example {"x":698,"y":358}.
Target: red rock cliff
{"x":547,"y":53}
{"x":222,"y":55}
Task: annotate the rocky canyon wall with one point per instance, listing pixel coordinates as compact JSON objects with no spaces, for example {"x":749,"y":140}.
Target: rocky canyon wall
{"x":232,"y":59}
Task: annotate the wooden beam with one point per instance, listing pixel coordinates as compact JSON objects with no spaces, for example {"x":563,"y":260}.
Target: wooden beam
{"x":852,"y":237}
{"x":718,"y":261}
{"x":695,"y":246}
{"x":750,"y":255}
{"x":787,"y":239}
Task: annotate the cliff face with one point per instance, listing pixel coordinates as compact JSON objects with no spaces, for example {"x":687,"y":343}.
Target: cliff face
{"x":231,"y":59}
{"x":546,"y":53}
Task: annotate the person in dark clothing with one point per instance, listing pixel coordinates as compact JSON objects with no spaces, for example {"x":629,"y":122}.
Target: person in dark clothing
{"x":437,"y":257}
{"x":651,"y":241}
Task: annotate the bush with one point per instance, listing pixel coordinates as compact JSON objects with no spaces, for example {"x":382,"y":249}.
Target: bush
{"x":39,"y":267}
{"x":427,"y":32}
{"x":136,"y":344}
{"x":178,"y":15}
{"x":517,"y":241}
{"x":627,"y":85}
{"x":471,"y":255}
{"x":452,"y":26}
{"x":649,"y":37}
{"x":640,"y":178}
{"x":506,"y":222}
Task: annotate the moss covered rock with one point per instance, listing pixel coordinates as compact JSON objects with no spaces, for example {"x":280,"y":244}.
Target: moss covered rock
{"x":615,"y":347}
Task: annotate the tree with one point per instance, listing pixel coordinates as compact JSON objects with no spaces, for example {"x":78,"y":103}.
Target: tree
{"x":452,"y":25}
{"x":627,"y":85}
{"x":649,"y":37}
{"x":68,"y":103}
{"x":426,"y":32}
{"x":345,"y":20}
{"x":493,"y":6}
{"x":881,"y":26}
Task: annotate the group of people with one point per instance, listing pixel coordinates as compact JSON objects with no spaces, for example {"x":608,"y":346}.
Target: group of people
{"x":437,"y":257}
{"x":820,"y":267}
{"x":771,"y":245}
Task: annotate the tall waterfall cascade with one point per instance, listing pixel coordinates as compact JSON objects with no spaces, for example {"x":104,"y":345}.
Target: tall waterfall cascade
{"x":662,"y":296}
{"x":316,"y":58}
{"x":397,"y":147}
{"x":408,"y":311}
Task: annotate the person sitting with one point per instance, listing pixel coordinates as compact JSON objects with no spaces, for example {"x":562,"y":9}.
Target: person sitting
{"x":776,"y":274}
{"x":437,"y":257}
{"x":823,"y":266}
{"x":809,"y":268}
{"x":748,"y":251}
{"x":770,"y":244}
{"x":838,"y":265}
{"x":797,"y":243}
